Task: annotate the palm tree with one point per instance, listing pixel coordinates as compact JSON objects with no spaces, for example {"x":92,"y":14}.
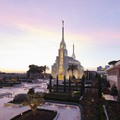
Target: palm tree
{"x":72,"y":68}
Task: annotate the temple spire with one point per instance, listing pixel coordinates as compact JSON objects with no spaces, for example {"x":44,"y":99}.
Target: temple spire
{"x":73,"y":55}
{"x":62,"y":44}
{"x":62,"y":30}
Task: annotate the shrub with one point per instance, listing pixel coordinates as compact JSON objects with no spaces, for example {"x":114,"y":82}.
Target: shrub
{"x":114,"y":91}
{"x":19,"y":98}
{"x":31,"y":91}
{"x":62,"y":97}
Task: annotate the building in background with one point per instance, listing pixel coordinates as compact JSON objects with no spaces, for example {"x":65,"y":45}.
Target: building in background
{"x":63,"y":60}
{"x":102,"y":70}
{"x":113,"y":75}
{"x":106,"y":67}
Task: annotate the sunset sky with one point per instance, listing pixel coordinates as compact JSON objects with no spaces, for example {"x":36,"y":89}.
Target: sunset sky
{"x":30,"y":32}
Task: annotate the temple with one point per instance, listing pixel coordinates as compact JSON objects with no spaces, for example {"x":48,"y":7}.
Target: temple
{"x":60,"y":67}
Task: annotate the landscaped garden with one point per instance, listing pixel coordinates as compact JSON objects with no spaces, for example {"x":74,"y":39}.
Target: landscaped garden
{"x":33,"y":100}
{"x":15,"y":106}
{"x":92,"y":107}
{"x":92,"y":102}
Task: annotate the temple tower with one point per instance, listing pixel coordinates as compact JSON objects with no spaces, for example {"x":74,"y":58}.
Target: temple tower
{"x":62,"y":54}
{"x":73,"y":55}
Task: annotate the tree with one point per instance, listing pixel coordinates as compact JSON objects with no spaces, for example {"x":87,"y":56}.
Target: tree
{"x":107,"y":83}
{"x":57,"y":84}
{"x":82,"y":90}
{"x":45,"y":68}
{"x":118,"y":99}
{"x":114,"y":91}
{"x":99,"y":87}
{"x":40,"y":69}
{"x":64,"y":84}
{"x":34,"y":70}
{"x":96,"y":75}
{"x":88,"y":75}
{"x":50,"y":83}
{"x":34,"y":100}
{"x":69,"y":84}
{"x":72,"y":68}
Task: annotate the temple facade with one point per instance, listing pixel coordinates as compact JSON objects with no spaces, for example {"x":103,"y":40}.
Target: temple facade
{"x":60,"y":67}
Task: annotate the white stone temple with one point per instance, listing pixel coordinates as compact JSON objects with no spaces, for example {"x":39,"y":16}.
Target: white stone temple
{"x":63,"y":60}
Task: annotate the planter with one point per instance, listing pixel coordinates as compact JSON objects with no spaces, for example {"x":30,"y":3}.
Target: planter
{"x":41,"y":114}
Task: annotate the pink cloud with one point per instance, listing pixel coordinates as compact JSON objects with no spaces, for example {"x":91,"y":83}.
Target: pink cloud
{"x":105,"y":35}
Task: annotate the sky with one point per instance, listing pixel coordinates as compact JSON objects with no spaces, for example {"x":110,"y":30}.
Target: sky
{"x":30,"y":32}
